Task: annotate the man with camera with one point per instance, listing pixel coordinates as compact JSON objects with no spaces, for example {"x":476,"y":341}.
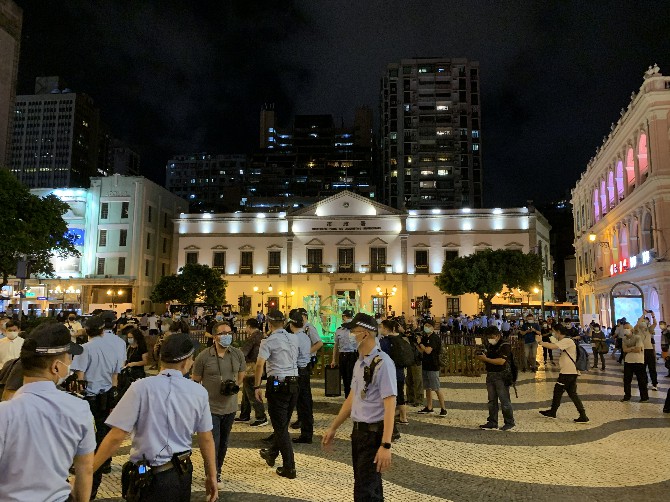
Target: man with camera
{"x":220,"y":369}
{"x":496,"y":357}
{"x":163,"y":412}
{"x":279,"y":353}
{"x":530,"y":330}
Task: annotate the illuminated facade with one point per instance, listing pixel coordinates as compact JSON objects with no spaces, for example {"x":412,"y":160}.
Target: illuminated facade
{"x":11,"y":19}
{"x":122,"y":226}
{"x":346,"y":246}
{"x":621,"y":208}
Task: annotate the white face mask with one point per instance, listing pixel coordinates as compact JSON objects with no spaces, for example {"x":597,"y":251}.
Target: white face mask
{"x":493,"y":341}
{"x":12,"y":334}
{"x":428,"y":329}
{"x":61,"y":379}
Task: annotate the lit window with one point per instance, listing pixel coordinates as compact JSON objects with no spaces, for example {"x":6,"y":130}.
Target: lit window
{"x":443,"y":172}
{"x":427,"y":172}
{"x":407,"y":107}
{"x":475,"y":147}
{"x":475,"y":133}
{"x":427,"y":184}
{"x":442,"y":108}
{"x":394,"y":174}
{"x":393,"y":136}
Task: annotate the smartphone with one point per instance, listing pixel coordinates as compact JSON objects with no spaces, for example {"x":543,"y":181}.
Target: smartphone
{"x":141,"y":469}
{"x":478,"y":341}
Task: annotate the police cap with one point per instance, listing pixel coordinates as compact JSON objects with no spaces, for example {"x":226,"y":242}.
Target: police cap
{"x":275,"y":315}
{"x":176,"y":348}
{"x":364,"y":320}
{"x":49,"y":339}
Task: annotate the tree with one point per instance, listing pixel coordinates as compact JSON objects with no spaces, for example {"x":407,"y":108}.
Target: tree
{"x":193,"y":282}
{"x":487,"y":272}
{"x":32,"y":226}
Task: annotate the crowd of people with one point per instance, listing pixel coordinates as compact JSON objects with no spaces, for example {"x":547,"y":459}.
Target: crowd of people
{"x":387,"y":365}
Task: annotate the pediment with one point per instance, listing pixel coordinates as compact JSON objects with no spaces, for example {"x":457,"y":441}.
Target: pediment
{"x":450,"y":245}
{"x":191,"y":247}
{"x":421,"y":245}
{"x":346,"y":242}
{"x":346,"y":203}
{"x":275,"y":246}
{"x":315,"y":242}
{"x":483,"y":245}
{"x":246,"y":247}
{"x":219,"y":246}
{"x":377,"y":242}
{"x":514,"y":245}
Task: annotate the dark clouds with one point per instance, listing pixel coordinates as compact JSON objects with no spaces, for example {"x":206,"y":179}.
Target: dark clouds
{"x":175,"y":77}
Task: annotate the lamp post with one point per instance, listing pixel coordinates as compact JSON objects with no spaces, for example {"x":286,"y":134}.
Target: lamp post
{"x":114,"y":295}
{"x":286,"y":294}
{"x":263,"y":293}
{"x":386,"y":295}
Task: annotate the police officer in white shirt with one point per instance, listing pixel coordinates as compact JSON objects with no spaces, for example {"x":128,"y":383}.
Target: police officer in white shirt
{"x":371,"y":405}
{"x":43,"y":430}
{"x":162,"y":413}
{"x":344,"y":352}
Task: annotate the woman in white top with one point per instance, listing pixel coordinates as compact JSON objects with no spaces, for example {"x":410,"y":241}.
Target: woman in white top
{"x":633,"y":349}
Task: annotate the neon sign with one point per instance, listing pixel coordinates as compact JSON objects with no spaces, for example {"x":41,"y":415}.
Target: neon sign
{"x":629,"y":263}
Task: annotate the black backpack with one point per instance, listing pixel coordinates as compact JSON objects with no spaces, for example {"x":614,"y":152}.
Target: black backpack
{"x":401,"y":351}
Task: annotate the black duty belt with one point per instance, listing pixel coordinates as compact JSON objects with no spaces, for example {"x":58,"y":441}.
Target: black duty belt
{"x":366,"y":427}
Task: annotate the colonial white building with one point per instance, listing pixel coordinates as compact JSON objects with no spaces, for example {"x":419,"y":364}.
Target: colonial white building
{"x":621,"y":208}
{"x":123,"y":228}
{"x":349,"y":250}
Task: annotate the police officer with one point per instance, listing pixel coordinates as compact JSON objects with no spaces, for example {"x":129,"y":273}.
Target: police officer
{"x":99,"y":365}
{"x":163,"y":412}
{"x":316,"y":344}
{"x":344,"y":352}
{"x":44,"y":430}
{"x":371,"y":405}
{"x":280,"y":351}
{"x":304,"y":404}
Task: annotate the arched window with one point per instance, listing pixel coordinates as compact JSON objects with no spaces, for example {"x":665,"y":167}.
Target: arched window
{"x":634,"y":237}
{"x":652,"y":301}
{"x":623,"y":244}
{"x":642,"y":161}
{"x":603,"y":198}
{"x":596,"y":205}
{"x":630,"y":169}
{"x":611,"y":193}
{"x":619,"y":180}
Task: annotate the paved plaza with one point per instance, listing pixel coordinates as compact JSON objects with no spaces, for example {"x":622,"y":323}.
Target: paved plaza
{"x":622,"y":454}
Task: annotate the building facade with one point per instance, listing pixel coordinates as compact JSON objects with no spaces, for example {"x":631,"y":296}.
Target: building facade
{"x":56,"y":137}
{"x":621,"y":208}
{"x":431,"y":134}
{"x":347,"y":250}
{"x":123,"y":228}
{"x":11,"y":21}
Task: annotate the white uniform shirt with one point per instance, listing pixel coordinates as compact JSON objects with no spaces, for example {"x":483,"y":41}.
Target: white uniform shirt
{"x":10,"y":349}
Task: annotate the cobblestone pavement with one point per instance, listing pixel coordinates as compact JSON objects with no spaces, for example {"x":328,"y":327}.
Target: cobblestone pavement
{"x":620,"y":455}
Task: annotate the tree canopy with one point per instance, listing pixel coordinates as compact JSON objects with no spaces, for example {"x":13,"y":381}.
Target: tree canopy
{"x":193,"y":282}
{"x":31,"y":226}
{"x":487,"y":272}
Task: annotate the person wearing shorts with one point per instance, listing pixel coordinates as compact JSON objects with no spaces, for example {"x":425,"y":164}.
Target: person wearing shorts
{"x":430,"y":345}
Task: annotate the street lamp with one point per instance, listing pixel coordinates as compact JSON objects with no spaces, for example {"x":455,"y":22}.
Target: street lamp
{"x":263,"y":293}
{"x":113,"y":296}
{"x":386,"y":295}
{"x":286,"y":295}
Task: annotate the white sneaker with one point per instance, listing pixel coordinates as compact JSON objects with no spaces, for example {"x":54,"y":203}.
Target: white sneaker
{"x":653,"y":387}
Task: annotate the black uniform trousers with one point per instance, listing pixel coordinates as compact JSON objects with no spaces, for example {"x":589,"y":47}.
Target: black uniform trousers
{"x":650,"y":363}
{"x":347,"y":361}
{"x":637,"y":369}
{"x":281,"y":404}
{"x":101,"y":406}
{"x":305,"y":403}
{"x":169,"y":486}
{"x":567,"y":383}
{"x":367,"y":481}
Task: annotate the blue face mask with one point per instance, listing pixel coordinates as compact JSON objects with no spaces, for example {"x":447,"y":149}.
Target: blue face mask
{"x":131,"y":341}
{"x":219,"y":318}
{"x":226,"y":340}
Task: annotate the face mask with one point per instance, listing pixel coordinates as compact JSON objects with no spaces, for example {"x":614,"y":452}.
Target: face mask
{"x":530,"y":320}
{"x":544,"y":325}
{"x":131,"y":341}
{"x":61,"y":379}
{"x":164,"y":328}
{"x":225,"y":340}
{"x":596,"y":330}
{"x":12,"y":334}
{"x":627,"y":332}
{"x":219,"y":318}
{"x":428,"y":329}
{"x":493,"y":341}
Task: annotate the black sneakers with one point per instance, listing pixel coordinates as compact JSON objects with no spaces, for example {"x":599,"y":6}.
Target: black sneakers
{"x":488,"y":427}
{"x":582,"y":420}
{"x":548,"y":413}
{"x":425,"y":411}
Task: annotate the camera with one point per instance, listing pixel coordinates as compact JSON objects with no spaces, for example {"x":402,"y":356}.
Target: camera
{"x":229,"y":388}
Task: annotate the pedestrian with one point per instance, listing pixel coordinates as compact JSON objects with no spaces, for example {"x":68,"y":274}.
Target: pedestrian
{"x":162,"y":413}
{"x":99,"y":365}
{"x":665,"y":342}
{"x":316,"y":344}
{"x":598,"y":345}
{"x":633,"y":350}
{"x":250,"y":351}
{"x":387,"y":332}
{"x":304,"y":403}
{"x":43,"y":430}
{"x":567,"y":378}
{"x":220,"y":368}
{"x":530,"y":330}
{"x":546,"y":334}
{"x":414,"y":376}
{"x":10,"y":345}
{"x":647,"y":330}
{"x":280,"y":351}
{"x":429,"y":345}
{"x":371,"y":406}
{"x":344,"y":352}
{"x":498,"y":355}
{"x":77,"y":333}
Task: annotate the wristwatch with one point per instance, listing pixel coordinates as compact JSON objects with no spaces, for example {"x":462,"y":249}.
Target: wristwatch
{"x":387,"y":445}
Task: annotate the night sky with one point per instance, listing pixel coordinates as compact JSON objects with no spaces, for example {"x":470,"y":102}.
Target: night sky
{"x":175,"y":76}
